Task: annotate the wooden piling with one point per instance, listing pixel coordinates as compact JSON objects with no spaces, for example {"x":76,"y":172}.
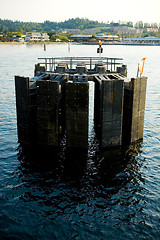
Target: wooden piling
{"x":77,"y":100}
{"x":122,"y":70}
{"x":97,"y":104}
{"x":47,"y":113}
{"x":39,"y":69}
{"x":139,"y":94}
{"x":56,"y":103}
{"x":109,"y":94}
{"x":134,"y":109}
{"x":112,"y":102}
{"x":22,"y":106}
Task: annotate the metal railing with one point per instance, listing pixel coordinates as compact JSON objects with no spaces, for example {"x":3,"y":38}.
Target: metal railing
{"x":71,"y":62}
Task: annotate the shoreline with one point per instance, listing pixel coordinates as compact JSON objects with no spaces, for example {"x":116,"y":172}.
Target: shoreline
{"x":79,"y":43}
{"x":32,"y":43}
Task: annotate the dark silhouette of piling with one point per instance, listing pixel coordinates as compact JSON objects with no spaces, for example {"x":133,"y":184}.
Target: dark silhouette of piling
{"x":55,"y":103}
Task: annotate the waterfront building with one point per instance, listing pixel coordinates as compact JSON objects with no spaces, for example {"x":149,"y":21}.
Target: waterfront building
{"x":92,"y":38}
{"x":36,"y":37}
{"x":107,"y":38}
{"x":81,"y":38}
{"x":145,"y":40}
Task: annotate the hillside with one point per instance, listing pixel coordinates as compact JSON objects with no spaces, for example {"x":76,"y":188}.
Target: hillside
{"x":80,"y":25}
{"x":77,"y":23}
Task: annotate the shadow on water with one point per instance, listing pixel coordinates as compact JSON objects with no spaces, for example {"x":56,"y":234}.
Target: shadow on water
{"x":112,"y":168}
{"x":68,"y":193}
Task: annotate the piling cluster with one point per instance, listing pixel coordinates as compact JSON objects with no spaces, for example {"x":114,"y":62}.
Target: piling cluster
{"x":55,"y":105}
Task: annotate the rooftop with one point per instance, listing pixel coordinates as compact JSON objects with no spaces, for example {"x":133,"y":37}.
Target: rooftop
{"x":143,"y":39}
{"x":81,"y":36}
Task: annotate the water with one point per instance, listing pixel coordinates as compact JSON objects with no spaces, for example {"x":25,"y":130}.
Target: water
{"x":86,"y":195}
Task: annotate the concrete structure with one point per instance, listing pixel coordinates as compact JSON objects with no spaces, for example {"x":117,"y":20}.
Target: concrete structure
{"x":54,"y":104}
{"x":36,"y":36}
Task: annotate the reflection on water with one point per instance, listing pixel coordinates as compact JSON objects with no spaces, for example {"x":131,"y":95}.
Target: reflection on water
{"x":78,"y":195}
{"x":91,"y":187}
{"x":75,"y":164}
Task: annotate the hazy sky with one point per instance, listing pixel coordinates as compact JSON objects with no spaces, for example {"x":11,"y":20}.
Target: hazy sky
{"x":101,"y":10}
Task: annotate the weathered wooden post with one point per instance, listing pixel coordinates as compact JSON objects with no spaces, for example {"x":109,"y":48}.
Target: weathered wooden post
{"x":134,"y":109}
{"x":122,"y":70}
{"x":61,"y":68}
{"x":81,"y":68}
{"x":97,"y":104}
{"x":39,"y":69}
{"x":22,"y":105}
{"x":100,"y":68}
{"x":47,"y":113}
{"x":77,"y":100}
{"x":110,"y":102}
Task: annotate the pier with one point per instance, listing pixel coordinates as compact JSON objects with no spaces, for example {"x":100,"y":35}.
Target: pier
{"x":54,"y":104}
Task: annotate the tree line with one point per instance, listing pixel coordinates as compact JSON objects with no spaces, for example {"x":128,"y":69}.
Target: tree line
{"x":77,"y":23}
{"x":73,"y":23}
{"x":63,"y":30}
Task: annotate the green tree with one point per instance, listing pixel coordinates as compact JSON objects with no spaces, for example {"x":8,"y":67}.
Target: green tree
{"x":61,"y":37}
{"x":64,"y":38}
{"x":18,"y":34}
{"x":9,"y":34}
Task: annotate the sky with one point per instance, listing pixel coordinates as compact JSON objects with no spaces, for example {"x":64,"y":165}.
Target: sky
{"x":100,"y":10}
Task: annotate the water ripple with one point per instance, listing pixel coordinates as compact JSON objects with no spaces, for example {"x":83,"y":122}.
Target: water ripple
{"x":78,"y":195}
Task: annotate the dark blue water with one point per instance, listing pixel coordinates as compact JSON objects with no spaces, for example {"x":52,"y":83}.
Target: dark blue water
{"x":79,"y":195}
